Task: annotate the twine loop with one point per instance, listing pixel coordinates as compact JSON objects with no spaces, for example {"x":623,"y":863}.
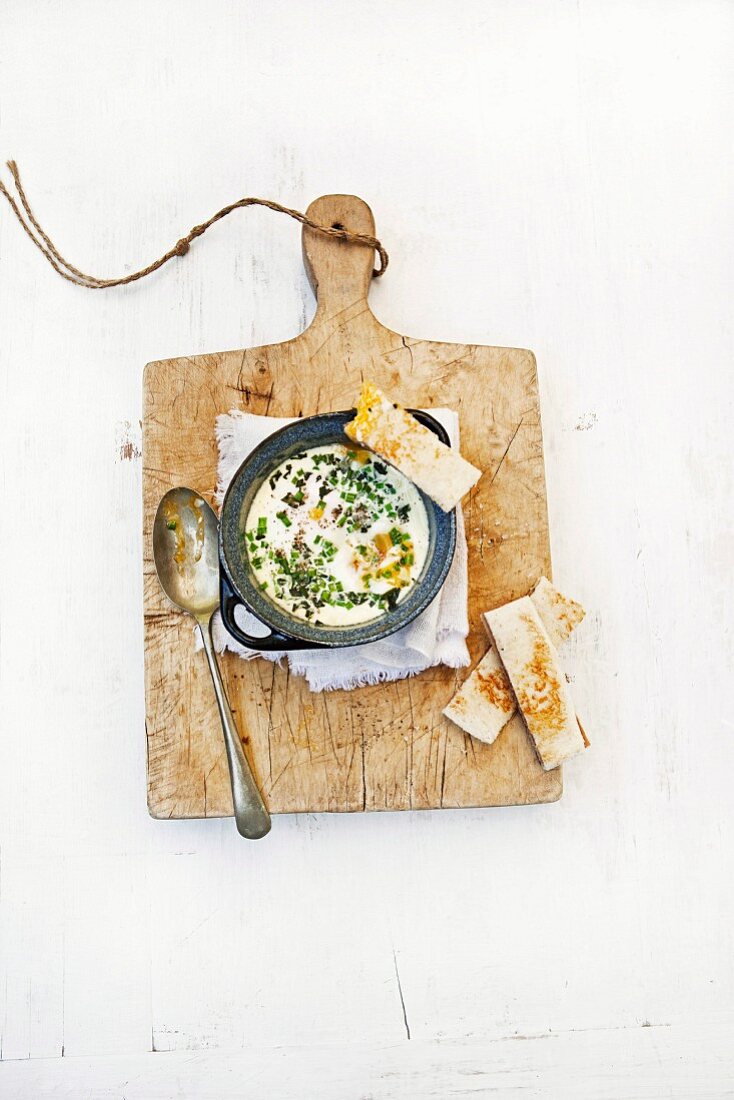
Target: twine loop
{"x":72,"y":274}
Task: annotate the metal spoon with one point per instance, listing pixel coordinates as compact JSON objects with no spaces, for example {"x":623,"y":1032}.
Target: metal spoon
{"x":185,"y":551}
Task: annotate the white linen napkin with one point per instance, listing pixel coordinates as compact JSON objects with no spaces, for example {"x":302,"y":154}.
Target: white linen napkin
{"x":436,"y":637}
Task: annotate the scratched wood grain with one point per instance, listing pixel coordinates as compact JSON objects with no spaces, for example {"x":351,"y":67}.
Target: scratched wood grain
{"x":385,"y":747}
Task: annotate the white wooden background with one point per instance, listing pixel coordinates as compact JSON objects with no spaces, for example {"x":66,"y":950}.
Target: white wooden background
{"x":553,"y":175}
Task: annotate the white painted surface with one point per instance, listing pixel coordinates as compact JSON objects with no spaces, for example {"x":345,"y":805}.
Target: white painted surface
{"x":556,"y":176}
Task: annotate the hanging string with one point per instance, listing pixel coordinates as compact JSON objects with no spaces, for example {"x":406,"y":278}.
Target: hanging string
{"x":72,"y":274}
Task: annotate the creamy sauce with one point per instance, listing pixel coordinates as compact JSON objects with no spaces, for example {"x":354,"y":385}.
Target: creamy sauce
{"x":335,"y":536}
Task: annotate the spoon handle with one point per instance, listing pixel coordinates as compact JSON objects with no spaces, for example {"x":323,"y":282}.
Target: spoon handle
{"x":251,"y":816}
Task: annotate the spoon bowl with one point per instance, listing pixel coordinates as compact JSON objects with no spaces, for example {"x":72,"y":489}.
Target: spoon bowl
{"x":186,"y":556}
{"x":185,"y":534}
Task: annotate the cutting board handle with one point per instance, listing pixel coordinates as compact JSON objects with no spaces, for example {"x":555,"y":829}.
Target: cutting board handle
{"x":339,"y":272}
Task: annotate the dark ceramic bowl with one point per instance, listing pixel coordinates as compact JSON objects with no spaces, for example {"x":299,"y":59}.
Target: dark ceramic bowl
{"x":239,"y":587}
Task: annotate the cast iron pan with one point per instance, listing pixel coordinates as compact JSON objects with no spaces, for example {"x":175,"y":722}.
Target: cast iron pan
{"x":238,"y":586}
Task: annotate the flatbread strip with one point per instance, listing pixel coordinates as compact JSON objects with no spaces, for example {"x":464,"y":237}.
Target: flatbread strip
{"x":532,"y":665}
{"x":485,"y":702}
{"x":396,"y":436}
{"x":559,"y":614}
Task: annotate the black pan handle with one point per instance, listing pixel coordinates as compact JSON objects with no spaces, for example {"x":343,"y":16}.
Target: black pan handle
{"x":430,"y":422}
{"x":268,"y":642}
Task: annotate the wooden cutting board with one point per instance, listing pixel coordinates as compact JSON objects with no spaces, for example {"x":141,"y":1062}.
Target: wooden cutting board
{"x":377,"y":748}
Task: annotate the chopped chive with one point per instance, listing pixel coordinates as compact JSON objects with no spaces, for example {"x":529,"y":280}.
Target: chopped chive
{"x":283,"y":519}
